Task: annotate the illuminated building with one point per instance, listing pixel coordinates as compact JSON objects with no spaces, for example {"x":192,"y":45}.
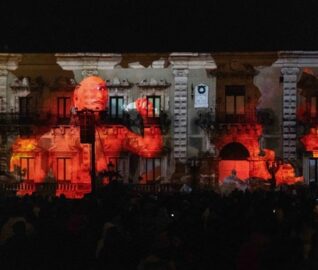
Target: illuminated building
{"x":242,"y":111}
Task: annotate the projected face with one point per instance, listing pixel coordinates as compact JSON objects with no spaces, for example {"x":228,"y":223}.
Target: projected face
{"x":91,"y":94}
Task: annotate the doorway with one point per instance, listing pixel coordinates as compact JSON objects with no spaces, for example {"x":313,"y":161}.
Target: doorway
{"x":234,"y":156}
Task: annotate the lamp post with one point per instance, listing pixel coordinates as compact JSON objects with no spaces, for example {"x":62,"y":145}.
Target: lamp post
{"x":110,"y":167}
{"x":87,"y":135}
{"x":273,"y":168}
{"x":194,"y":164}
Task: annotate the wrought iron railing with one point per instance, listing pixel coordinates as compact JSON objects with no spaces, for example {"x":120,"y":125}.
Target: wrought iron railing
{"x":15,"y":118}
{"x":64,"y":187}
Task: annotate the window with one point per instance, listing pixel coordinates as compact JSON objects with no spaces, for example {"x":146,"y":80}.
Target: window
{"x":63,"y":109}
{"x":152,"y":169}
{"x":154,"y":110}
{"x":312,"y":107}
{"x":27,"y":168}
{"x":235,"y":103}
{"x":116,"y":105}
{"x":63,"y":169}
{"x":313,"y":170}
{"x":119,"y":164}
{"x":25,"y":106}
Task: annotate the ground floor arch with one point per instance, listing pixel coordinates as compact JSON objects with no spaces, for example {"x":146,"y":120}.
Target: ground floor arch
{"x":234,"y":156}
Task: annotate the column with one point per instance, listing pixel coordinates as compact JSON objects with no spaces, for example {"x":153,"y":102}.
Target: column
{"x":289,"y":112}
{"x":7,"y":62}
{"x":182,"y":63}
{"x":180,"y":113}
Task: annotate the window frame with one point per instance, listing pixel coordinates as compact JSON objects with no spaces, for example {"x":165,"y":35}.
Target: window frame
{"x":27,"y":168}
{"x":152,"y":99}
{"x":66,"y":115}
{"x":235,"y":91}
{"x":64,"y":169}
{"x":153,"y":168}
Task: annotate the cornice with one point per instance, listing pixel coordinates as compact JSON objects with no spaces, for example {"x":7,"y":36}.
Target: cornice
{"x":88,"y":61}
{"x":9,"y":61}
{"x":297,"y":59}
{"x":190,"y":60}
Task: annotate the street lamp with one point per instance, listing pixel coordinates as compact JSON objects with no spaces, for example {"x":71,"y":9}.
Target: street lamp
{"x":87,"y":135}
{"x":111,"y":171}
{"x":194,"y":164}
{"x":273,"y":167}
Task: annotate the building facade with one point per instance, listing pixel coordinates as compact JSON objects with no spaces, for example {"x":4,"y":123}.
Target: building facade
{"x":254,"y":113}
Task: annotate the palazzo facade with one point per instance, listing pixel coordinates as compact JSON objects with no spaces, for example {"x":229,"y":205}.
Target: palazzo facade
{"x":254,"y":113}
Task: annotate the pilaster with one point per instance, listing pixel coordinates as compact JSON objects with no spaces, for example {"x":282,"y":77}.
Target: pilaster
{"x":291,"y":63}
{"x":7,"y":62}
{"x":181,"y":64}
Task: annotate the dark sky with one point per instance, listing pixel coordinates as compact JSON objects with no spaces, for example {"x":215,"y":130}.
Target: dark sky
{"x":158,"y":26}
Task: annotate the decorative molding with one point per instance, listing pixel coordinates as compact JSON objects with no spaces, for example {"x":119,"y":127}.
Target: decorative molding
{"x":63,"y":83}
{"x":117,"y":83}
{"x":297,"y":59}
{"x":161,"y":63}
{"x":153,"y":84}
{"x":135,"y":65}
{"x":180,"y":114}
{"x":89,"y":63}
{"x":192,"y":61}
{"x":290,"y":75}
{"x":9,"y":61}
{"x":234,"y":68}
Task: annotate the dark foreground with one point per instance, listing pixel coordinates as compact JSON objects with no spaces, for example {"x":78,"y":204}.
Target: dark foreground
{"x":120,"y":229}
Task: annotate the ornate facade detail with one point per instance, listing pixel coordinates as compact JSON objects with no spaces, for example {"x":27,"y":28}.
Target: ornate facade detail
{"x":290,"y":63}
{"x":233,"y":69}
{"x":7,"y":62}
{"x":118,"y":83}
{"x":153,"y":83}
{"x":89,"y":72}
{"x":181,"y":64}
{"x":63,"y":83}
{"x":180,"y":113}
{"x":289,"y":112}
{"x":88,"y":63}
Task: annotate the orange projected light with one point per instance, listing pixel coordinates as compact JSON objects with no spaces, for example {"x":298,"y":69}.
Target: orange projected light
{"x":59,"y":156}
{"x":91,"y":94}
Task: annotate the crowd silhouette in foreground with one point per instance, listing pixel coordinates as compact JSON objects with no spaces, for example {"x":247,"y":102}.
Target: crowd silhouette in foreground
{"x":118,"y":228}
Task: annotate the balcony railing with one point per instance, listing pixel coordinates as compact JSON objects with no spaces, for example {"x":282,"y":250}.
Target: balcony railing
{"x":222,"y":116}
{"x":18,"y":118}
{"x":75,"y":188}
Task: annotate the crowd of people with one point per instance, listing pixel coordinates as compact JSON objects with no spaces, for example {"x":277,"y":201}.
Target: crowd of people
{"x":118,"y":228}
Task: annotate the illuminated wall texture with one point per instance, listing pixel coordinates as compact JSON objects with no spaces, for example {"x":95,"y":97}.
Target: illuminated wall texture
{"x":249,"y":98}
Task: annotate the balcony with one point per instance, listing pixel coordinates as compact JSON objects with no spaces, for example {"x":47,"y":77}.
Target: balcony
{"x":222,"y":116}
{"x":126,"y":119}
{"x":18,"y":119}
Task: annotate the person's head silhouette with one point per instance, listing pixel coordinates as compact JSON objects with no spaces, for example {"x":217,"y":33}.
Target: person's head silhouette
{"x":91,"y":94}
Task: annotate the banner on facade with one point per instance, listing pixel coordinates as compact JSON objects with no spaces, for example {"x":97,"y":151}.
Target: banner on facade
{"x":201,"y":96}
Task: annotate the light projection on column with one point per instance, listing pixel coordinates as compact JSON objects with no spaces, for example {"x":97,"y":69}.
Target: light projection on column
{"x":60,"y":152}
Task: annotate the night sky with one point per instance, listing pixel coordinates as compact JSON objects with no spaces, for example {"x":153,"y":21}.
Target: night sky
{"x":158,"y":26}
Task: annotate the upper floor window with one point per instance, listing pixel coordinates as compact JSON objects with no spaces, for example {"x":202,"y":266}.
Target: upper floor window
{"x":152,"y":169}
{"x":25,"y":105}
{"x":313,"y":170}
{"x":116,"y":106}
{"x":153,"y":110}
{"x":119,"y":164}
{"x":27,"y":168}
{"x":63,"y":108}
{"x":235,"y":102}
{"x":313,"y":107}
{"x":63,"y":169}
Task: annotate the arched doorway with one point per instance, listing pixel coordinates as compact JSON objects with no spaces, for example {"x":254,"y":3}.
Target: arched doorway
{"x":234,"y":156}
